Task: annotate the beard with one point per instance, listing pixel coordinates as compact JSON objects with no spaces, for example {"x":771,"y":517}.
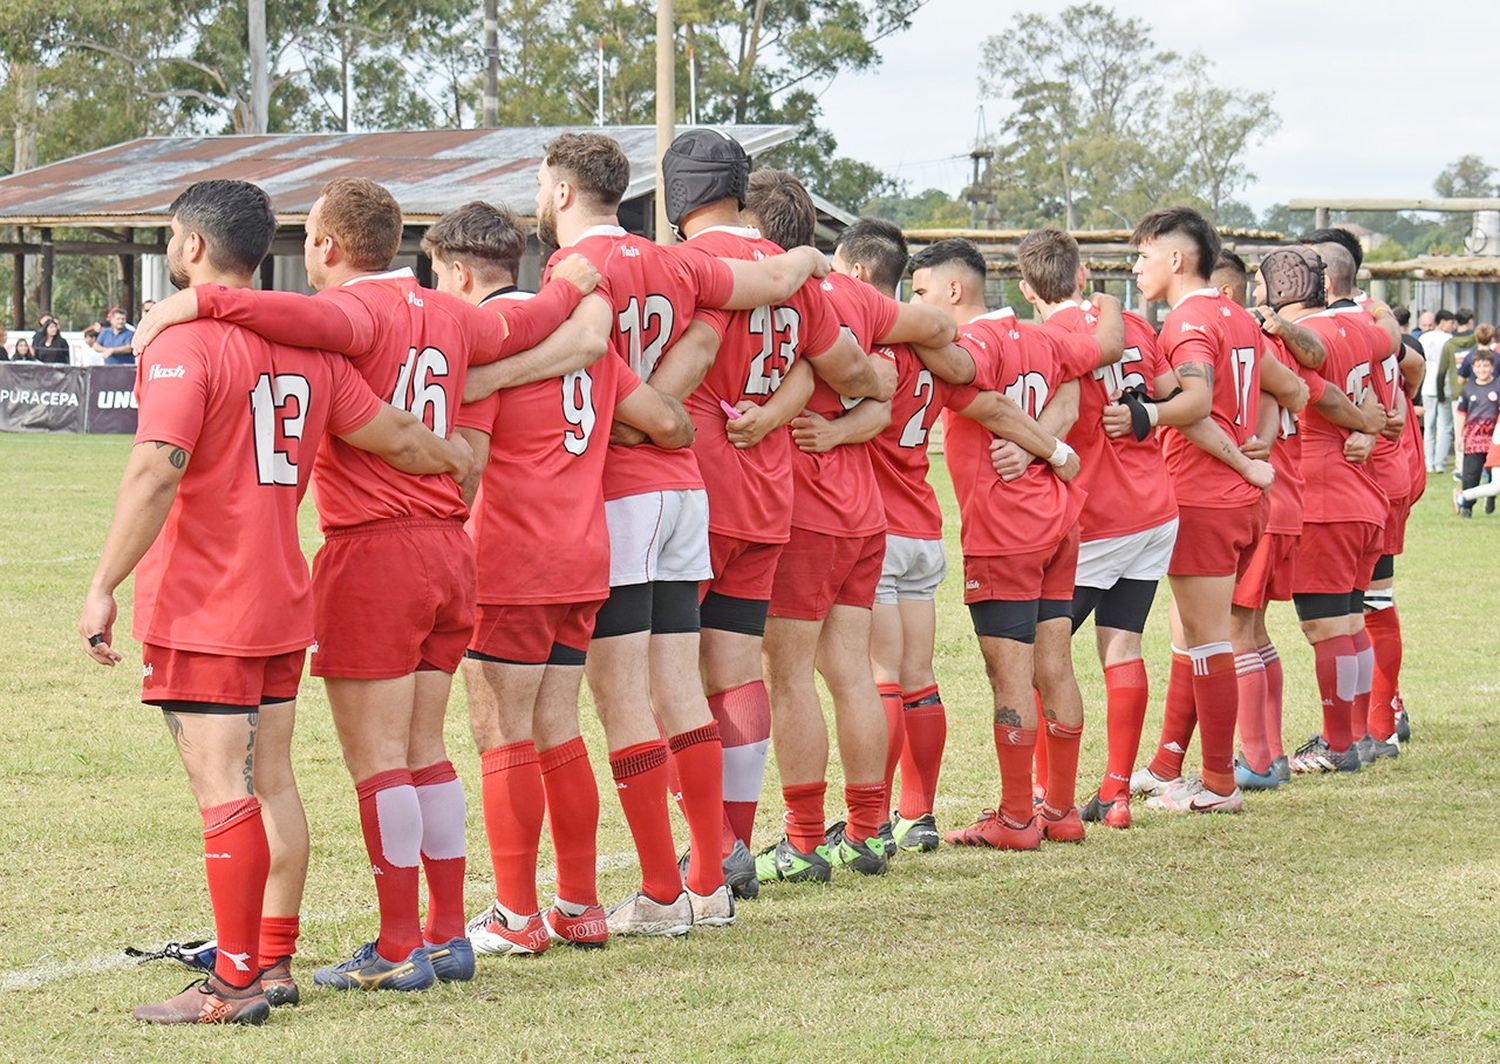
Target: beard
{"x":546,"y":225}
{"x":177,"y":274}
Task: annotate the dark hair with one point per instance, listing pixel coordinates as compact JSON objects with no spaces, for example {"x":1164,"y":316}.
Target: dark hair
{"x":1402,"y":316}
{"x":954,"y":250}
{"x":594,"y":163}
{"x":1483,"y":356}
{"x":365,"y":219}
{"x":1442,"y":316}
{"x":1190,"y":224}
{"x":1229,"y":260}
{"x":1049,"y":263}
{"x":234,"y":219}
{"x":479,"y":231}
{"x":1347,"y":240}
{"x":1463,"y":315}
{"x":786,"y":212}
{"x":877,"y":245}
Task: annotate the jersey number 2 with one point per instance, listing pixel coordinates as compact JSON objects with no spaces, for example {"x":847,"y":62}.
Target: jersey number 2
{"x":778,"y":329}
{"x":278,"y":409}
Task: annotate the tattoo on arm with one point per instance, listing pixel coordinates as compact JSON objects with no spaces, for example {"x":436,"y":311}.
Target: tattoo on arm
{"x":250,"y":756}
{"x":1007,"y":716}
{"x":1201,"y":370}
{"x":178,"y":457}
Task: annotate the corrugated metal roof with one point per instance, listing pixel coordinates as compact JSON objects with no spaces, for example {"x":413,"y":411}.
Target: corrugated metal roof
{"x":428,"y":171}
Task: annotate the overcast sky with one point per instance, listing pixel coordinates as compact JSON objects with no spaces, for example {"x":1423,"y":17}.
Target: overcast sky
{"x":1426,"y":77}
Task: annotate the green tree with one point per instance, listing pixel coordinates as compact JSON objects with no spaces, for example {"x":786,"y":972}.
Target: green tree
{"x":1468,"y":176}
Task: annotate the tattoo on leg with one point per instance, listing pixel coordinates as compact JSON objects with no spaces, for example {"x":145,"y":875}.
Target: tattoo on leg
{"x":175,"y":727}
{"x":250,"y":757}
{"x":1007,"y":716}
{"x":1049,"y":714}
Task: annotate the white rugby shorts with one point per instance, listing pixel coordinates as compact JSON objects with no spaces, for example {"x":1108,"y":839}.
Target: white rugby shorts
{"x":658,"y":535}
{"x":1144,"y":555}
{"x":913,"y":569}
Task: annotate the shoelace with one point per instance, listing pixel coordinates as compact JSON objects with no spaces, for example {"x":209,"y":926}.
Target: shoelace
{"x":1315,"y":745}
{"x":198,"y":955}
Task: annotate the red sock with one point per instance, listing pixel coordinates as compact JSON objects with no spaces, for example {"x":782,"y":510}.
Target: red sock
{"x":867,"y":808}
{"x":640,"y":773}
{"x":278,"y":938}
{"x":1040,"y":774}
{"x":1014,"y":748}
{"x":1275,"y":685}
{"x":1384,"y":627}
{"x":1336,"y":668}
{"x":237,"y":860}
{"x":511,"y":790}
{"x":1250,"y":675}
{"x":573,"y":815}
{"x":391,"y":818}
{"x":743,"y":714}
{"x":895,"y":734}
{"x":1062,"y":766}
{"x":698,"y":757}
{"x":1127,"y":695}
{"x":804,"y":814}
{"x":1216,"y":693}
{"x":926,"y":726}
{"x":1364,"y":660}
{"x":1178,"y":720}
{"x":444,"y":849}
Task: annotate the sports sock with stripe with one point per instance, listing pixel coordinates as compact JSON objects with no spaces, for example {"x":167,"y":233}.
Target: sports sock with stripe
{"x":391,"y":819}
{"x":1216,"y":693}
{"x":640,"y":774}
{"x":440,"y":793}
{"x":1250,"y":676}
{"x":1364,"y":680}
{"x":1337,"y":670}
{"x":743,"y":714}
{"x":698,"y":757}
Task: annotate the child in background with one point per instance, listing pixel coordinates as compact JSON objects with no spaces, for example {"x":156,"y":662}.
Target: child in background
{"x":1475,"y":425}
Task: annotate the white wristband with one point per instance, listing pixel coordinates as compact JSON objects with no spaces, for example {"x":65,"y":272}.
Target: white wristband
{"x":1152,"y":414}
{"x":1061,"y":455}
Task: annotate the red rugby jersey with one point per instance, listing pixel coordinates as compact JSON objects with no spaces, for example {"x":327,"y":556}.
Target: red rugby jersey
{"x":655,"y":292}
{"x":1206,"y":327}
{"x":226,"y":574}
{"x":1286,"y":453}
{"x":1125,"y":479}
{"x":538,"y":524}
{"x":1338,"y":490}
{"x":1025,"y":362}
{"x":750,"y":491}
{"x":1388,"y":464}
{"x":835,"y":492}
{"x":412,"y":344}
{"x":899,"y":454}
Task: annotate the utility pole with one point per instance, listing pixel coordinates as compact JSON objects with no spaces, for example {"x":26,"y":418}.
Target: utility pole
{"x":979,"y":194}
{"x":666,"y":109}
{"x":491,"y":117}
{"x":260,"y":73}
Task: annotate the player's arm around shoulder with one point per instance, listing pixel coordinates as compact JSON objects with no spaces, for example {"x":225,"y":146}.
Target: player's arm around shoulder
{"x":580,"y":341}
{"x":763,"y":282}
{"x":1287,"y":388}
{"x":853,"y":373}
{"x":865,"y":420}
{"x":405,"y":443}
{"x":1109,"y":332}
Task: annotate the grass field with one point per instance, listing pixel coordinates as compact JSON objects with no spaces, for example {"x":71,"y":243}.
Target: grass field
{"x":1340,"y":919}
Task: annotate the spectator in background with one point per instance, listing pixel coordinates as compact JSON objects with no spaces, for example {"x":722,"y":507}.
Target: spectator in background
{"x":22,"y":351}
{"x":146,"y":306}
{"x":1426,"y":322}
{"x":114,"y":341}
{"x":1477,"y":407}
{"x":41,"y":330}
{"x":1437,"y":401}
{"x":49,"y":343}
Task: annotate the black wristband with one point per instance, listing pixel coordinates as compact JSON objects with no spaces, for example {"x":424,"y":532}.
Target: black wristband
{"x":1140,"y":419}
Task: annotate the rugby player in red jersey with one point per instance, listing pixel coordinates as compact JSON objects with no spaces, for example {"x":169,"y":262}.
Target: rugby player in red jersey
{"x":644,"y":654}
{"x":1350,"y":509}
{"x":228,"y":426}
{"x":1129,"y":520}
{"x":1397,"y":454}
{"x":544,"y":446}
{"x":1215,"y":349}
{"x":904,"y":619}
{"x":1288,"y":279}
{"x":746,"y":466}
{"x":393,"y":586}
{"x":824,"y":587}
{"x":1020,"y":541}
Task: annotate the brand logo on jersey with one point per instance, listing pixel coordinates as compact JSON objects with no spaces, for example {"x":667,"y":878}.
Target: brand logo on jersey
{"x":1188,"y":327}
{"x":1225,"y":311}
{"x":629,"y":252}
{"x":161,"y":373}
{"x":241,"y":960}
{"x":414,"y":299}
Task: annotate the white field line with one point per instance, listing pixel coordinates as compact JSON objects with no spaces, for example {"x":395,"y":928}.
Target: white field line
{"x":47,"y":561}
{"x":38,"y":975}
